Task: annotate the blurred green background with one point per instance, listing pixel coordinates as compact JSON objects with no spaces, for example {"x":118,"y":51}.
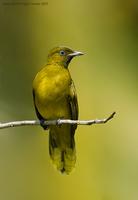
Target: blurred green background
{"x":106,"y":80}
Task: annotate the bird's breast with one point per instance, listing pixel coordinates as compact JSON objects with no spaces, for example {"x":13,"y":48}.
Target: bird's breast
{"x":51,"y":90}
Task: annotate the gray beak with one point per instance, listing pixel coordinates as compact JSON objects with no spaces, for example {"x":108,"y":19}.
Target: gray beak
{"x":75,"y":53}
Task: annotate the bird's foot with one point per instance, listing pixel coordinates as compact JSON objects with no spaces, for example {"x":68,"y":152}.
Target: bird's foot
{"x":42,"y":123}
{"x":58,"y":122}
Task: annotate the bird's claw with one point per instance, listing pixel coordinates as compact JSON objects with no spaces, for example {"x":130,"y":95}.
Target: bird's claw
{"x":42,"y":123}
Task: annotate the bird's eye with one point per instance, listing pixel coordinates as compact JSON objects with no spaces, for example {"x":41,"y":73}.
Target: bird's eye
{"x":62,"y":53}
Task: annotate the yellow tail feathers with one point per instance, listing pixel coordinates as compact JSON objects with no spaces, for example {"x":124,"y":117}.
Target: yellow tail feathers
{"x":63,"y":156}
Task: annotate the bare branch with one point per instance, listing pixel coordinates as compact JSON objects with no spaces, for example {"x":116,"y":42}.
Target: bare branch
{"x":55,"y":122}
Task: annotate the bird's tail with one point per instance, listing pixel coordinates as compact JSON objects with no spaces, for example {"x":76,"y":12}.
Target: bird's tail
{"x":62,"y":150}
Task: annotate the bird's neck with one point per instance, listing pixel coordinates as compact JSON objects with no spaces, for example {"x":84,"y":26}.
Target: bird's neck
{"x":59,"y":63}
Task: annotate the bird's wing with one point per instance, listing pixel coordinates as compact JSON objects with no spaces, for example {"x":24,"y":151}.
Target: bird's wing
{"x":38,"y":114}
{"x":36,"y":110}
{"x":73,"y":105}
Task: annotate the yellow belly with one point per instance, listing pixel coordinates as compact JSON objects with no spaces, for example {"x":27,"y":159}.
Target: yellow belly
{"x":53,"y":109}
{"x":51,"y":93}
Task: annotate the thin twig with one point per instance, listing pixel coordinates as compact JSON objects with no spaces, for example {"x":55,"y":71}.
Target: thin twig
{"x":55,"y":122}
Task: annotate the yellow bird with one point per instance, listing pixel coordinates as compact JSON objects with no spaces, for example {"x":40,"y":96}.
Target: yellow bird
{"x":55,"y":98}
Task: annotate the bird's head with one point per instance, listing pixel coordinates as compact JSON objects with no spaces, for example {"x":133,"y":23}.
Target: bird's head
{"x":62,"y":55}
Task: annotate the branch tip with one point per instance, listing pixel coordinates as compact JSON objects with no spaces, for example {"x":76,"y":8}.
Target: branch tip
{"x":110,"y":117}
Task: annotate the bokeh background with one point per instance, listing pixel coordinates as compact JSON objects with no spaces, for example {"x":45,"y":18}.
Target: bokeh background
{"x":106,"y":80}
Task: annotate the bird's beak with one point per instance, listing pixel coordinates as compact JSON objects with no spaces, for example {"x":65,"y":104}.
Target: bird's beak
{"x":75,"y":53}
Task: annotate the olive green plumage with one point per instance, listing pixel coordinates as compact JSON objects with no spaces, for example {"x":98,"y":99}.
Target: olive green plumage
{"x":54,"y":98}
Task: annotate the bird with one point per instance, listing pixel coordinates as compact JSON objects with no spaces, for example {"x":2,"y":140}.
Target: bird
{"x":55,"y":97}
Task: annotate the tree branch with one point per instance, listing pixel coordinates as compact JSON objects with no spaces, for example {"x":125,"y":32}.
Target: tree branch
{"x":55,"y":122}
